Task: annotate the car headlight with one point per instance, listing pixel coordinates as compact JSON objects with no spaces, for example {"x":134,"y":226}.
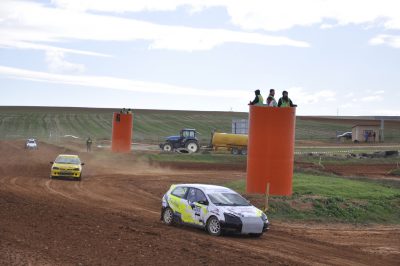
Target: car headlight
{"x":55,"y":168}
{"x":264,"y":217}
{"x":231,"y":218}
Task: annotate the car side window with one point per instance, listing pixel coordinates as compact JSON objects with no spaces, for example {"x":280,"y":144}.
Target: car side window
{"x":191,"y":197}
{"x":200,"y":197}
{"x":196,"y":195}
{"x":179,"y":192}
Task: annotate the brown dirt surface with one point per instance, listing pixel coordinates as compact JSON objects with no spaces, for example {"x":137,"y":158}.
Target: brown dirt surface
{"x":112,"y":217}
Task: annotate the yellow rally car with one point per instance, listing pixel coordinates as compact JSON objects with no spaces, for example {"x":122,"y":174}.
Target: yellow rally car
{"x":67,"y":166}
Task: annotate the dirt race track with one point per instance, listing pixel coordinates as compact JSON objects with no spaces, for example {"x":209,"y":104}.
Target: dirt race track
{"x":112,"y":218}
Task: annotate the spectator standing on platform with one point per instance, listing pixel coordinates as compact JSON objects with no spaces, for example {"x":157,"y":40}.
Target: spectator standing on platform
{"x":285,"y":101}
{"x":271,"y":102}
{"x":258,"y":100}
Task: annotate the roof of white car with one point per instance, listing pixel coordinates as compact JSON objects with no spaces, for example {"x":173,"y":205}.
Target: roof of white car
{"x":206,"y":188}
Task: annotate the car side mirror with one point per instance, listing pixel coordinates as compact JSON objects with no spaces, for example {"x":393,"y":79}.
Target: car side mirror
{"x":203,"y":202}
{"x":51,"y":162}
{"x":82,"y":163}
{"x":191,"y":204}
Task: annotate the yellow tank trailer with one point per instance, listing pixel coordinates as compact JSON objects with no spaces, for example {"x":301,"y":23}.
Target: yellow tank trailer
{"x":236,"y":143}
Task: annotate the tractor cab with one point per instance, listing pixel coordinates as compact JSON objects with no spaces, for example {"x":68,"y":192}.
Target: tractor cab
{"x":188,"y":133}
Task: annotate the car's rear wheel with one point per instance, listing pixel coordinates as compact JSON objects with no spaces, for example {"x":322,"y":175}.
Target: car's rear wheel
{"x":168,"y":216}
{"x":214,"y":226}
{"x":256,"y":235}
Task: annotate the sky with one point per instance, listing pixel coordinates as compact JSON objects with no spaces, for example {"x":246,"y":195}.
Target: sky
{"x":334,"y":57}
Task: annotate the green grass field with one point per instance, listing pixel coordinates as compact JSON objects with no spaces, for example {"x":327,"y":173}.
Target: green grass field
{"x":328,"y":198}
{"x":151,"y":126}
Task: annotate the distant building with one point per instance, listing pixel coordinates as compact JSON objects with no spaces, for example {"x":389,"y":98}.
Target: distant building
{"x":365,"y":133}
{"x":240,"y":126}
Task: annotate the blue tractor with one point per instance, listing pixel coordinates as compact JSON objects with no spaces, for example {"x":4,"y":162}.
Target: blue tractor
{"x":186,"y":140}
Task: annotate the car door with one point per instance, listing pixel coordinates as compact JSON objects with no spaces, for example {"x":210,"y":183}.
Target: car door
{"x":197,"y":203}
{"x":178,"y":202}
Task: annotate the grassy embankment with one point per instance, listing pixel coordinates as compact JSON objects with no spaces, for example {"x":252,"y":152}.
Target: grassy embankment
{"x":318,"y":196}
{"x":328,"y":198}
{"x":151,"y":126}
{"x":343,"y":160}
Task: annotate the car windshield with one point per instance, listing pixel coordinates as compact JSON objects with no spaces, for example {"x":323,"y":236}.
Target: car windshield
{"x":68,"y":160}
{"x":31,"y":142}
{"x":227,"y":199}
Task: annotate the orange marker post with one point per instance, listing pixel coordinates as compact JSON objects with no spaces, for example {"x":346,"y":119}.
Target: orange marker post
{"x":122,"y":132}
{"x":270,"y":150}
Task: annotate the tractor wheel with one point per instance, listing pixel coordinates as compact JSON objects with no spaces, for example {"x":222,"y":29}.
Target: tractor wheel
{"x":167,"y":147}
{"x":192,"y":146}
{"x":234,"y":151}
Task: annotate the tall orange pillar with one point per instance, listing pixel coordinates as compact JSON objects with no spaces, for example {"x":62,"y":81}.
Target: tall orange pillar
{"x":270,"y":151}
{"x":122,"y":132}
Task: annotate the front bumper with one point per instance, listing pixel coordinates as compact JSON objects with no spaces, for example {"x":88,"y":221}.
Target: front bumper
{"x":66,"y":173}
{"x":243,"y":225}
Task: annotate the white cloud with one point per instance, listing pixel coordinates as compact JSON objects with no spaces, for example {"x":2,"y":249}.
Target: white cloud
{"x":388,"y":112}
{"x":269,"y":15}
{"x":42,"y":47}
{"x":304,"y":97}
{"x":117,"y":83}
{"x":328,"y":26}
{"x":56,"y":63}
{"x":346,"y":105}
{"x":372,"y":98}
{"x":33,"y":22}
{"x":390,"y":40}
{"x":121,"y":6}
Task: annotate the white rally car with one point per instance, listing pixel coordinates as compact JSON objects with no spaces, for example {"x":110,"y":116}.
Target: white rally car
{"x":215,"y":208}
{"x":31,"y":144}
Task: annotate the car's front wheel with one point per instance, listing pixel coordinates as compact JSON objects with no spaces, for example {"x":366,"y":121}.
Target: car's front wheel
{"x":256,"y":235}
{"x":214,"y":226}
{"x":168,"y":216}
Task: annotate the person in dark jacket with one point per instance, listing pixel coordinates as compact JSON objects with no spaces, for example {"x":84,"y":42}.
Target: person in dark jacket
{"x":285,"y":101}
{"x":271,"y":99}
{"x":258,"y":100}
{"x":89,"y":144}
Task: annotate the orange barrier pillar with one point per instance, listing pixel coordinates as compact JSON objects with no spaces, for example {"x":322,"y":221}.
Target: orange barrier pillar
{"x":270,"y":151}
{"x":121,"y":132}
